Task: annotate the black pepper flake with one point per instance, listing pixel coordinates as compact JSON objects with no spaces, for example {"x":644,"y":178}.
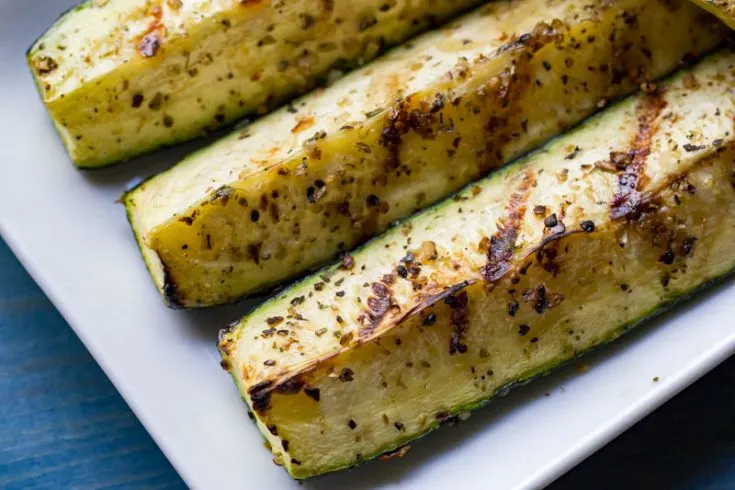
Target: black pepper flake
{"x":573,"y":154}
{"x":274,"y":320}
{"x":313,"y":393}
{"x":307,"y":21}
{"x":340,"y":294}
{"x":402,"y":271}
{"x":513,"y":307}
{"x":399,"y":426}
{"x":523,"y":330}
{"x":346,"y":375}
{"x":347,"y":262}
{"x":284,"y":443}
{"x":690,"y":147}
{"x":551,"y":221}
{"x":311,"y":194}
{"x":372,"y":200}
{"x":429,"y":320}
{"x":352,"y":424}
{"x":667,"y":257}
{"x":688,"y":245}
{"x":270,"y":362}
{"x":587,"y":226}
{"x":319,"y":286}
{"x":254,"y":215}
{"x":137,"y":100}
{"x":273,"y":430}
{"x":665,"y":279}
{"x":534,"y":340}
{"x":297,"y":301}
{"x":268,"y":332}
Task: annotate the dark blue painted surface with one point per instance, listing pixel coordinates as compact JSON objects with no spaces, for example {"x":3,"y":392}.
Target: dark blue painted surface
{"x":63,"y":425}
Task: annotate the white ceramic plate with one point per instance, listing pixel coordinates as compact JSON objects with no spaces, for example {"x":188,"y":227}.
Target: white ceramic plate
{"x":74,"y":239}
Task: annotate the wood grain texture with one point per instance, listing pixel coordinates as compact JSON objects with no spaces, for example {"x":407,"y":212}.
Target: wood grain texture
{"x":63,"y":425}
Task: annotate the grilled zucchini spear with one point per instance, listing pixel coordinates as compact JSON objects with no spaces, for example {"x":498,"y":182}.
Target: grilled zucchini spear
{"x":292,"y":190}
{"x":123,"y":77}
{"x":531,"y":267}
{"x":724,"y":9}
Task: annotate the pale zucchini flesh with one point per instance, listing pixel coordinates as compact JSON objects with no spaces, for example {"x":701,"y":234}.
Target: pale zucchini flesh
{"x":124,"y":77}
{"x":518,"y":273}
{"x":724,"y":9}
{"x":297,"y":187}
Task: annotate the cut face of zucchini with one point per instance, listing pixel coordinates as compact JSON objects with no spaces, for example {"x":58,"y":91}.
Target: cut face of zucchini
{"x":339,"y":166}
{"x":518,"y":273}
{"x":124,"y":77}
{"x":724,"y":9}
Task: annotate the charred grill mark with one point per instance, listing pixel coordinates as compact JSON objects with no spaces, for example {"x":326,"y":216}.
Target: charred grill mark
{"x":260,"y":393}
{"x":506,"y":91}
{"x":290,"y":387}
{"x":502,"y":243}
{"x":378,"y":305}
{"x":429,"y":301}
{"x":447,"y":418}
{"x":401,"y":120}
{"x":460,"y":322}
{"x":628,"y":197}
{"x":542,"y":34}
{"x":540,"y":299}
{"x":170,"y":289}
{"x":260,"y":396}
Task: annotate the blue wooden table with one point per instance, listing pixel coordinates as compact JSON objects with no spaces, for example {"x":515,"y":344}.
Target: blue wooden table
{"x":63,"y":425}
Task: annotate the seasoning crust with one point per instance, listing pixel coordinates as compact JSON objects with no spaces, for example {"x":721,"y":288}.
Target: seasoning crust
{"x":317,"y":178}
{"x":516,"y":274}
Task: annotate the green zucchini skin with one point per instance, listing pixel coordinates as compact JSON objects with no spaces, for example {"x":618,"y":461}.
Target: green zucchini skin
{"x":521,"y":272}
{"x":294,"y":189}
{"x":121,"y":78}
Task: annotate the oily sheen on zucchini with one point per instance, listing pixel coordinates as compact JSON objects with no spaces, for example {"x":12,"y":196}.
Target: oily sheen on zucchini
{"x":518,"y":273}
{"x":338,"y":167}
{"x":724,"y":9}
{"x":123,"y":77}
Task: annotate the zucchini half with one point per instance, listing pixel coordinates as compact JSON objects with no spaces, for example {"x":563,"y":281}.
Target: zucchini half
{"x":124,"y":77}
{"x":518,"y":273}
{"x":724,"y":9}
{"x":338,"y":167}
